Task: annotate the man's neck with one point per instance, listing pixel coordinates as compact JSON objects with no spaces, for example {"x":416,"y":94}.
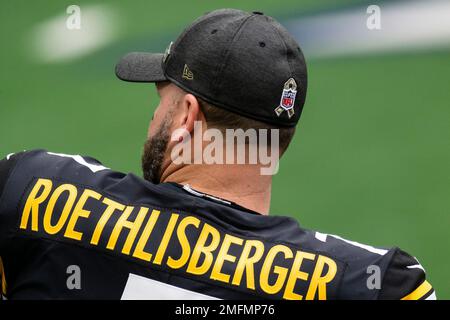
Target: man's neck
{"x":241,"y":184}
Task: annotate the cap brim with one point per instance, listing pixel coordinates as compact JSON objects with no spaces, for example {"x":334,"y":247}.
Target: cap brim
{"x":141,"y":67}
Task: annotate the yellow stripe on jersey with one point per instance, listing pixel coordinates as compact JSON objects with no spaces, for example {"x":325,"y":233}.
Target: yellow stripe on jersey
{"x":419,"y":292}
{"x":2,"y":275}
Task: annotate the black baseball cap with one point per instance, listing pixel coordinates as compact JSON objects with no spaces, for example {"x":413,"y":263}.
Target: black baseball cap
{"x":246,"y":63}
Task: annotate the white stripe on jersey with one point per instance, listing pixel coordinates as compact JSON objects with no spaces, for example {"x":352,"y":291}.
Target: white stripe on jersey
{"x":141,"y":288}
{"x":432,"y":296}
{"x":93,"y":167}
{"x":323,"y":237}
{"x":416,"y":266}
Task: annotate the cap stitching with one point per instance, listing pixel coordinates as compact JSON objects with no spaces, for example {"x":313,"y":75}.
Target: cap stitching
{"x":285,"y":46}
{"x":183,"y":34}
{"x":189,"y":28}
{"x":221,"y":66}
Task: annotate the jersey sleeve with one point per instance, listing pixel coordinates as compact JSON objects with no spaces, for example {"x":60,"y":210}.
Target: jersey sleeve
{"x":7,"y":164}
{"x":405,"y":279}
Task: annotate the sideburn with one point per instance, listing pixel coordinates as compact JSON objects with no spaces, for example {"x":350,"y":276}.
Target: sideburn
{"x":154,"y":150}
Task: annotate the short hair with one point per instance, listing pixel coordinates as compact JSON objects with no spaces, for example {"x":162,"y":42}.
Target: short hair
{"x":222,"y":119}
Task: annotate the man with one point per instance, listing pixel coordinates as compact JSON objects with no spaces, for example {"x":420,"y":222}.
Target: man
{"x":196,"y":227}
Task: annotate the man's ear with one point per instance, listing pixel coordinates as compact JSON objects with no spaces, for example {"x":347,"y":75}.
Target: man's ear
{"x":192,"y":112}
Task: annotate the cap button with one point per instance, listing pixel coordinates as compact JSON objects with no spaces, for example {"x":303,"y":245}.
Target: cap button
{"x":258,"y":12}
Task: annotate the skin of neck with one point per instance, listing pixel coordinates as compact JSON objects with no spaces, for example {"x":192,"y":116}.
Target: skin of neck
{"x":241,"y":184}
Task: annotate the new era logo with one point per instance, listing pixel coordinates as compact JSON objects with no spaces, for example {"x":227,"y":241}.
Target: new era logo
{"x":187,"y":74}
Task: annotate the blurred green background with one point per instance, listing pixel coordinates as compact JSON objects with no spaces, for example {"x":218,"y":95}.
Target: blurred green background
{"x":370,"y":160}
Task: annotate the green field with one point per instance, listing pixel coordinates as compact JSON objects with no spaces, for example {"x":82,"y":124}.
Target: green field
{"x":370,"y":160}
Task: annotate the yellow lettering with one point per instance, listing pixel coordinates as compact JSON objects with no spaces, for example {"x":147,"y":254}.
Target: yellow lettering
{"x":319,"y":282}
{"x":295,"y":274}
{"x":78,"y":212}
{"x":33,"y":201}
{"x":246,"y":263}
{"x":111,"y":207}
{"x":202,"y":248}
{"x":223,"y":256}
{"x":281,"y":271}
{"x":139,"y":250}
{"x":72,"y":190}
{"x":165,"y":240}
{"x":133,"y":226}
{"x":184,"y":243}
{"x":134,"y":229}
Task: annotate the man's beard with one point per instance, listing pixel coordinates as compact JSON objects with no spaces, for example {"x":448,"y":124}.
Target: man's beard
{"x":154,"y":151}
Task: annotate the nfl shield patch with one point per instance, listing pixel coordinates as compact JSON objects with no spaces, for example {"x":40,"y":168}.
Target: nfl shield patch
{"x":287,"y":98}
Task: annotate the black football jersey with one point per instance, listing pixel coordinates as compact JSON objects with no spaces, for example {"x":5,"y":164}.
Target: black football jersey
{"x":71,"y":228}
